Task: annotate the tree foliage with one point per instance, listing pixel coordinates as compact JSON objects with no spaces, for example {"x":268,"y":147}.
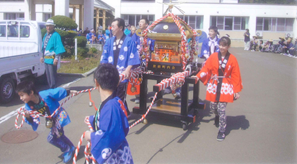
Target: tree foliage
{"x":81,"y":41}
{"x":64,"y":23}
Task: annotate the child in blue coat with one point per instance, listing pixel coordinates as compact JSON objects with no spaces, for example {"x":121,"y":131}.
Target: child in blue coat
{"x":110,"y":124}
{"x":46,"y":102}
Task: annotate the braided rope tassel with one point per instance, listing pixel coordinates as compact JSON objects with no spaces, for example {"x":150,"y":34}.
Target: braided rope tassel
{"x":17,"y":117}
{"x":35,"y":114}
{"x":143,"y":116}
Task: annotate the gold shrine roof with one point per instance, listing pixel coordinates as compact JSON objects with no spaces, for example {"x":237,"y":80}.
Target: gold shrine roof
{"x":167,"y":30}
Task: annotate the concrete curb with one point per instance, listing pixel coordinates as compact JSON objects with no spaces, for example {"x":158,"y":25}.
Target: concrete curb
{"x":89,"y":72}
{"x":79,"y":74}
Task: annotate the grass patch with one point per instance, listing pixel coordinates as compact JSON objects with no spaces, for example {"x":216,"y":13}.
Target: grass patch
{"x":70,"y":65}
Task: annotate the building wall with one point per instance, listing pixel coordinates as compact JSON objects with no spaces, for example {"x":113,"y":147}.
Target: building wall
{"x":251,"y":11}
{"x":12,"y":7}
{"x":207,"y":10}
{"x":41,"y":10}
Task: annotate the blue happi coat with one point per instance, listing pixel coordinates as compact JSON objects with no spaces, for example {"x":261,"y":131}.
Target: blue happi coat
{"x":51,"y":98}
{"x":128,"y":54}
{"x":53,"y":49}
{"x":150,"y":43}
{"x":101,"y":37}
{"x":109,"y":144}
{"x":205,"y":49}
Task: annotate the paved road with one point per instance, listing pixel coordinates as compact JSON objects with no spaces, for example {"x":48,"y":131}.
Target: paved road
{"x":261,"y":125}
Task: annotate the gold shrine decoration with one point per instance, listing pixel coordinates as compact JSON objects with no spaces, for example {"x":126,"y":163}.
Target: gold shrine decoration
{"x":139,"y":33}
{"x":199,"y":32}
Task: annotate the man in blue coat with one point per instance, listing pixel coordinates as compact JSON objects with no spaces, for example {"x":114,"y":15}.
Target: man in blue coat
{"x":211,"y":44}
{"x":143,"y":24}
{"x":120,"y":51}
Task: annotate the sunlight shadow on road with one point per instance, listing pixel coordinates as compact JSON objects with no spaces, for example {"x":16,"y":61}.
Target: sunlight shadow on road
{"x":236,"y":123}
{"x":161,"y":149}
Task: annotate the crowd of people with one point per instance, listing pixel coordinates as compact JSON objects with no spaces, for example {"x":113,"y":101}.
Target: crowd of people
{"x":122,"y":52}
{"x":284,"y":46}
{"x":100,"y":36}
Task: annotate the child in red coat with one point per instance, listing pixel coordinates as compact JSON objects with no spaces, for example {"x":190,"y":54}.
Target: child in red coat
{"x":222,"y":76}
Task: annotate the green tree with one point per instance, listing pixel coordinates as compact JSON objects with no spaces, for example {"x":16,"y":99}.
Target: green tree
{"x":64,"y":23}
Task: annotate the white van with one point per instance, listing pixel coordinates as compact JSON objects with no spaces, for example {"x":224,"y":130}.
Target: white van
{"x":20,"y":53}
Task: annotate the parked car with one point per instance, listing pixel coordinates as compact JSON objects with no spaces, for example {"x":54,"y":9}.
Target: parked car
{"x":20,"y":53}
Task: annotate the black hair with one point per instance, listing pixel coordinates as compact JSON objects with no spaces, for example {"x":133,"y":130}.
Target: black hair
{"x":225,"y":41}
{"x":121,"y":23}
{"x":146,"y":20}
{"x":215,"y":29}
{"x":26,"y":87}
{"x":247,"y":30}
{"x":107,"y":76}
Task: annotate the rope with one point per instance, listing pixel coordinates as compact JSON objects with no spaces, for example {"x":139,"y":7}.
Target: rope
{"x":87,"y":154}
{"x":35,"y":114}
{"x":143,"y":116}
{"x":173,"y":80}
{"x":16,"y":120}
{"x":179,"y":77}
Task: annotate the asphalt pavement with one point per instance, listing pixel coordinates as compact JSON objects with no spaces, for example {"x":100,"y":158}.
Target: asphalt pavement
{"x":261,"y":125}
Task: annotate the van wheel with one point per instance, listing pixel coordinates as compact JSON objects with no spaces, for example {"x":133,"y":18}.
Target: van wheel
{"x":7,"y":90}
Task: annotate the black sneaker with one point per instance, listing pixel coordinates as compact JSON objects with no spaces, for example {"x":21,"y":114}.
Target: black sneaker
{"x":217,"y":121}
{"x":221,"y":136}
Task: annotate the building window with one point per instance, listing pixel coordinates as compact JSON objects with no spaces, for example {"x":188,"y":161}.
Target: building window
{"x":196,"y":22}
{"x":134,"y":19}
{"x":289,"y":24}
{"x":274,"y":24}
{"x":14,"y":16}
{"x":229,"y":23}
{"x":47,"y":16}
{"x":237,"y":23}
{"x":259,"y":24}
{"x":281,"y":23}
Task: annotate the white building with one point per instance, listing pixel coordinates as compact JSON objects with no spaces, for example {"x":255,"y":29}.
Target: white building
{"x":231,"y":17}
{"x":82,"y":11}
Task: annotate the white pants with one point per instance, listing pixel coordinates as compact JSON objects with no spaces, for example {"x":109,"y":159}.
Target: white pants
{"x":247,"y":45}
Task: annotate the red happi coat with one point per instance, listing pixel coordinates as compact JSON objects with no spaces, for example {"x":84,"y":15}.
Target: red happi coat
{"x":231,"y":83}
